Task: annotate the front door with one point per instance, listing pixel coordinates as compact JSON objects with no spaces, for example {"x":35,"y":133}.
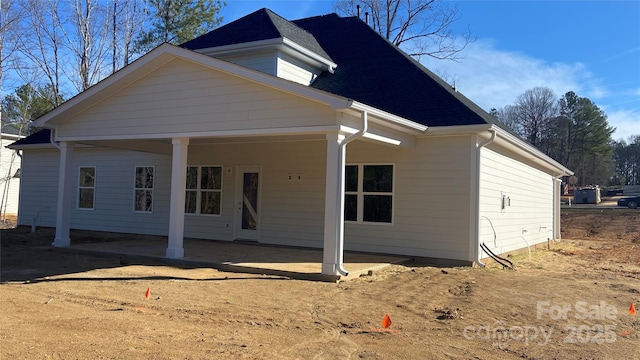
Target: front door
{"x":248,"y":203}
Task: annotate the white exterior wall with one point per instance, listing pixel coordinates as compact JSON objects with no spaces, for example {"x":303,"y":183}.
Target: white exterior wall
{"x":431,"y":199}
{"x":296,"y":70}
{"x":264,"y":62}
{"x":431,"y":194}
{"x":182,"y":97}
{"x":529,"y":218}
{"x":10,"y":162}
{"x":291,"y":212}
{"x":39,"y":185}
{"x":114,"y":190}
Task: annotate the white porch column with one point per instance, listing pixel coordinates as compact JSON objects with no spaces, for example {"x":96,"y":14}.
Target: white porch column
{"x":175,"y":247}
{"x":65,"y":194}
{"x":333,"y":205}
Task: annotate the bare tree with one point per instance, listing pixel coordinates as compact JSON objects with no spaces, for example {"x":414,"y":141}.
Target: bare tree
{"x":40,"y":44}
{"x":531,"y":113}
{"x":9,"y":17}
{"x":420,"y":27}
{"x":127,"y":19}
{"x":88,"y":42}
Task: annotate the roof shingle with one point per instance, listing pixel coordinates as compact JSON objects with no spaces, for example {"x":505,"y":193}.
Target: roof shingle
{"x":263,"y":24}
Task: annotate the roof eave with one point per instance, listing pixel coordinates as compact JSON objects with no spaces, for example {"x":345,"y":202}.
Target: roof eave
{"x":505,"y":138}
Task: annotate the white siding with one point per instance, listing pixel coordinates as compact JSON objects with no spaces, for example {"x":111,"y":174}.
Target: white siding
{"x":264,"y":62}
{"x":529,"y":218}
{"x":10,"y":162}
{"x":431,"y":201}
{"x":431,"y":194}
{"x":184,"y":97}
{"x":292,"y":212}
{"x":113,"y":205}
{"x":39,"y":182}
{"x":296,"y":70}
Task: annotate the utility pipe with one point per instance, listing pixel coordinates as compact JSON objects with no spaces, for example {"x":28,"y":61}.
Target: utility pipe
{"x":479,"y":147}
{"x":342,"y":155}
{"x":557,"y":195}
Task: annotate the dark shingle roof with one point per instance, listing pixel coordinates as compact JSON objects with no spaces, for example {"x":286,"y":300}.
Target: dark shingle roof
{"x":373,"y":71}
{"x":263,"y":24}
{"x":40,"y":137}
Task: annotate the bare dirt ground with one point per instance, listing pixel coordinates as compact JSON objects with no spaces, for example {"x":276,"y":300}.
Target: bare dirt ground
{"x":570,"y":301}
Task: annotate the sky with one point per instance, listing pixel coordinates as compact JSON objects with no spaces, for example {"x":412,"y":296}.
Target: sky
{"x":589,"y":47}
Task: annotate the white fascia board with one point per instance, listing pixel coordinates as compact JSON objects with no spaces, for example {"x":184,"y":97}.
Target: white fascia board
{"x":242,"y":47}
{"x":506,"y":139}
{"x":210,"y":134}
{"x":384,"y":115}
{"x":372,"y":136}
{"x":534,"y":152}
{"x":456,"y":130}
{"x":281,"y":43}
{"x":331,"y":66}
{"x":12,"y":136}
{"x":31,"y":146}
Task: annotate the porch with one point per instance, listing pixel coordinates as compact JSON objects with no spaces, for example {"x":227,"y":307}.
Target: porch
{"x":240,"y":257}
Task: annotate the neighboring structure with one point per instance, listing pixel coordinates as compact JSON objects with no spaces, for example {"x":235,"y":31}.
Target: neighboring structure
{"x":10,"y":163}
{"x":242,"y":133}
{"x":587,"y":195}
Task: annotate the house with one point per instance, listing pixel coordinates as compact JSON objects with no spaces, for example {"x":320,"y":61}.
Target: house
{"x":316,"y":133}
{"x":10,"y":163}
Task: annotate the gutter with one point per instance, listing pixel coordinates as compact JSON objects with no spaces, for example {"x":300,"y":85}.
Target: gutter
{"x":51,"y":139}
{"x":479,"y":147}
{"x":339,"y":253}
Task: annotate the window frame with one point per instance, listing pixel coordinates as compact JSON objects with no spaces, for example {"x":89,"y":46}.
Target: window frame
{"x":136,"y":189}
{"x":361,"y":194}
{"x":81,"y":187}
{"x":199,"y":191}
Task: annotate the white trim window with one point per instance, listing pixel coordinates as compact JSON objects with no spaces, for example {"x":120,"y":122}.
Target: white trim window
{"x":369,"y":193}
{"x":143,"y":189}
{"x":204,"y":190}
{"x":86,"y":187}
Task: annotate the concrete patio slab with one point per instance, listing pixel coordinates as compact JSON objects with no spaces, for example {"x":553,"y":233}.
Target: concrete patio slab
{"x":298,"y":263}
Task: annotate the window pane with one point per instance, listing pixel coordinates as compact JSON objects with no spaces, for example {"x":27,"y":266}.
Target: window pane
{"x":192,"y":177}
{"x":87,"y":176}
{"x":144,"y":200}
{"x":144,"y":177}
{"x":190,"y":202}
{"x":377,"y":208}
{"x":351,"y":207}
{"x":210,"y":203}
{"x":85,"y":200}
{"x":351,"y":178}
{"x":210,"y":178}
{"x":378,"y":178}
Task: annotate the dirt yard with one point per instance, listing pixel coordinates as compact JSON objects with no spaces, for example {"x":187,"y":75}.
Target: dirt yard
{"x":571,"y":301}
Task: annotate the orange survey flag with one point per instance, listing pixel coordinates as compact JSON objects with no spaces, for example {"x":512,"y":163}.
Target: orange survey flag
{"x":386,"y":322}
{"x":147,"y":294}
{"x":632,"y":309}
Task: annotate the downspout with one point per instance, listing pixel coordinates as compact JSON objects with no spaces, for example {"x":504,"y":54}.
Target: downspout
{"x":339,"y":255}
{"x":557,"y":195}
{"x":51,"y":139}
{"x":478,"y":253}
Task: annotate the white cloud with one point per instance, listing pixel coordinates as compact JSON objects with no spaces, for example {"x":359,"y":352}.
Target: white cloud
{"x":626,"y":122}
{"x":494,"y":78}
